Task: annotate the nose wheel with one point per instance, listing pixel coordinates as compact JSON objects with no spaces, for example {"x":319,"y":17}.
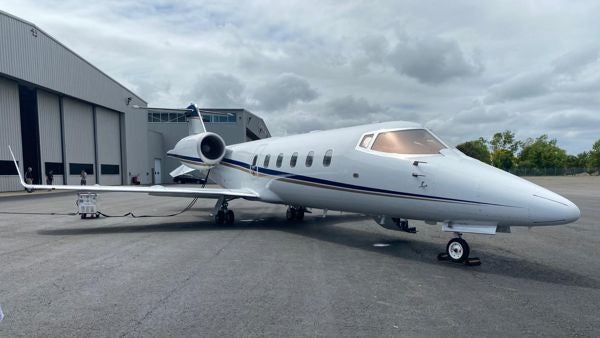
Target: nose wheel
{"x":457,"y":251}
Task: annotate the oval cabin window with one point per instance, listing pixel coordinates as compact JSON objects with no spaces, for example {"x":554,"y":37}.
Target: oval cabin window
{"x":327,"y":158}
{"x":293,"y":160}
{"x":309,"y":158}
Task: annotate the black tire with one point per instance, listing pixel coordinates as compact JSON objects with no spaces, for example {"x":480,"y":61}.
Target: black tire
{"x":457,"y":250}
{"x":220,"y":217}
{"x":229,"y":217}
{"x":290,"y":214}
{"x":299,"y":214}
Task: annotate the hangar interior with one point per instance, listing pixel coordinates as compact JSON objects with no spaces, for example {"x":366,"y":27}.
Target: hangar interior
{"x":60,"y":113}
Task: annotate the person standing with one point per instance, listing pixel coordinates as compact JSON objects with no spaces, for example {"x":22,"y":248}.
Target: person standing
{"x":83,"y":177}
{"x":50,"y":178}
{"x":29,"y":178}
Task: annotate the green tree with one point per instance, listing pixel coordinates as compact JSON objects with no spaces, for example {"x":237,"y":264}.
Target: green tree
{"x":503,"y":159}
{"x":579,"y":161}
{"x":542,"y":153}
{"x":505,"y":140}
{"x":476,"y":149}
{"x":504,"y":147}
{"x":594,"y":157}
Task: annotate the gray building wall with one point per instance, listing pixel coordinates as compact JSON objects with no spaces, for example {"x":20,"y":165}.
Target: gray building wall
{"x":10,"y":131}
{"x":156,"y":150}
{"x":108,"y":140}
{"x":50,"y":131}
{"x":79,"y":138}
{"x":36,"y":57}
{"x":31,"y":57}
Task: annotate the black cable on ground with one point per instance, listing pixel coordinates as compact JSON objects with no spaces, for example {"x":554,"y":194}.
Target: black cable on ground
{"x":39,"y":213}
{"x":187,"y":208}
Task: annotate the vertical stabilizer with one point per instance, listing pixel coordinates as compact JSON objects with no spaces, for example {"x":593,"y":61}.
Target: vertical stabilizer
{"x":195,"y":123}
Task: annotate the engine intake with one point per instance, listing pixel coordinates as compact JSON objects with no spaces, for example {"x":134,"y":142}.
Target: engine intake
{"x":210,"y":147}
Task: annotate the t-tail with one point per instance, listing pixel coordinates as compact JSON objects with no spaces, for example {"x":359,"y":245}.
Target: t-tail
{"x":195,"y":122}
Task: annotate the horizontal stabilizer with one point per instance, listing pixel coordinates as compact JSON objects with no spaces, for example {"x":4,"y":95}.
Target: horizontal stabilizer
{"x":182,"y":169}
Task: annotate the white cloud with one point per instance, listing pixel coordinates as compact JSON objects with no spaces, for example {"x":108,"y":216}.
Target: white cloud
{"x":284,"y":90}
{"x":466,"y":68}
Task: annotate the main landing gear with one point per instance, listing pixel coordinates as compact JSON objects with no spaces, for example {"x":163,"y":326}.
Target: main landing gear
{"x":457,"y":251}
{"x":224,"y":215}
{"x":294,"y":213}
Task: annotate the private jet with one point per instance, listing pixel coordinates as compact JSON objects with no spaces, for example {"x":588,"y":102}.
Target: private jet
{"x":392,"y":171}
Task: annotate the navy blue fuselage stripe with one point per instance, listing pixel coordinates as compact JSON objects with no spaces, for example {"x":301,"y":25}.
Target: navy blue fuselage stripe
{"x":333,"y":183}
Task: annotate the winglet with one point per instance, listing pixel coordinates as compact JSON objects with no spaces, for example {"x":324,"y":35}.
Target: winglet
{"x":17,"y":167}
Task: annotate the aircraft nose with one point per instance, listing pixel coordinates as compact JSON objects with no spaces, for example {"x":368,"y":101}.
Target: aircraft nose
{"x":548,"y":208}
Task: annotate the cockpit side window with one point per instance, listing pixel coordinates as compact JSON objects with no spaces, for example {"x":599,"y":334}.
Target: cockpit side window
{"x":413,"y":141}
{"x":366,"y":140}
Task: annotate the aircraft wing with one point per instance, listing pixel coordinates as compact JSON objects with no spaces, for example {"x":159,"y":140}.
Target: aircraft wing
{"x":157,"y":190}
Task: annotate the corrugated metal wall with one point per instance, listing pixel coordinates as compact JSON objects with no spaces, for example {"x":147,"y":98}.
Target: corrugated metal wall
{"x":36,"y":57}
{"x":10,"y":131}
{"x":29,"y":54}
{"x":50,"y":133}
{"x":79,"y":137}
{"x":109,"y":144}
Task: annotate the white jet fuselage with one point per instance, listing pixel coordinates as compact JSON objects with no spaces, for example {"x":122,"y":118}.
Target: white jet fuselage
{"x":445,"y":186}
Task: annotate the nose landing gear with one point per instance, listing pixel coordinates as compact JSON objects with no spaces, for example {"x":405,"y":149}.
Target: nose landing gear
{"x":457,"y":251}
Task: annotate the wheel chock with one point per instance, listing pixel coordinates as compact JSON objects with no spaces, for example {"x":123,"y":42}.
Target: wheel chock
{"x":471,"y":261}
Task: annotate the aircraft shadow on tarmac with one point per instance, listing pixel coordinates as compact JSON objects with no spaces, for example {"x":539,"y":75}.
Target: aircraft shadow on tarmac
{"x":331,"y":230}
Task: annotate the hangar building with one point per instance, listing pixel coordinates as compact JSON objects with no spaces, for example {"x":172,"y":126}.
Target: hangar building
{"x":61,"y":113}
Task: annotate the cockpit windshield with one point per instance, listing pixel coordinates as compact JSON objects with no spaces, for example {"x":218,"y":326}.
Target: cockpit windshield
{"x":412,"y":141}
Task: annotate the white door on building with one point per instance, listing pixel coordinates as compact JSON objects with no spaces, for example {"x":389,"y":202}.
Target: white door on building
{"x":157,"y":176}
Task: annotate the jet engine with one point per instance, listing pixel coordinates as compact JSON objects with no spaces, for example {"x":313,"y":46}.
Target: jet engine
{"x":210,"y":147}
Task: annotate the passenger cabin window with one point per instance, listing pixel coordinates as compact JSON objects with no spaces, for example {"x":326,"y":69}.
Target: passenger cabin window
{"x":293,"y":160}
{"x":266,"y":162}
{"x":327,"y":158}
{"x":414,"y":141}
{"x":254,"y":160}
{"x":366,"y":140}
{"x":309,"y":158}
{"x":279,"y":160}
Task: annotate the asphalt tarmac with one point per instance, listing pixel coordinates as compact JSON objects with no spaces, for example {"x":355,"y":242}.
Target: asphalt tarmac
{"x":341,"y":275}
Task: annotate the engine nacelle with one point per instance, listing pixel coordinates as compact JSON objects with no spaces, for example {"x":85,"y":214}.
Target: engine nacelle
{"x":210,"y":148}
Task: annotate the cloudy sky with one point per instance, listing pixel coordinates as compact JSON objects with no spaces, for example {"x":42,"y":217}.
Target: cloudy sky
{"x":462,"y":68}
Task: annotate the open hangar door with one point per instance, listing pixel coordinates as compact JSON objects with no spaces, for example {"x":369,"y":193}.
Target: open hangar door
{"x":10,"y":134}
{"x":50,"y":136}
{"x":108,"y":138}
{"x":79,"y":140}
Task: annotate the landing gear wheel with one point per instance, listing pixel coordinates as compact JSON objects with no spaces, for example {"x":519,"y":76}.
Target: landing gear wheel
{"x":457,"y":250}
{"x":83,"y":216}
{"x":229,"y":217}
{"x":300,"y":214}
{"x":220,"y":217}
{"x":290,"y":214}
